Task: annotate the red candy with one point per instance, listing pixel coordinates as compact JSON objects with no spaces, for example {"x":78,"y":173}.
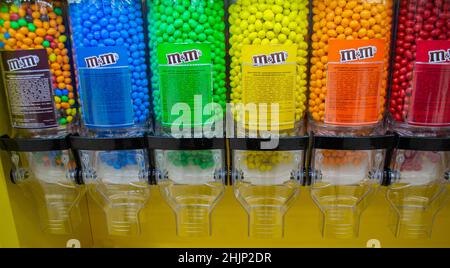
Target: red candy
{"x":418,"y":20}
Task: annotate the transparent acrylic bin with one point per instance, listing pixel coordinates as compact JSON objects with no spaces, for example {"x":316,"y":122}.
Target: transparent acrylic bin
{"x":268,"y":65}
{"x":419,"y":84}
{"x":118,"y":182}
{"x":343,"y":182}
{"x":349,"y":63}
{"x":50,"y":178}
{"x":111,"y":60}
{"x":188,"y":61}
{"x":34,"y":41}
{"x":418,"y":192}
{"x":192,"y":183}
{"x":266,"y":183}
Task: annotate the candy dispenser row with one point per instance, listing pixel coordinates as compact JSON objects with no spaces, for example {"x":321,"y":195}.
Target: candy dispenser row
{"x":337,"y":66}
{"x":343,"y":174}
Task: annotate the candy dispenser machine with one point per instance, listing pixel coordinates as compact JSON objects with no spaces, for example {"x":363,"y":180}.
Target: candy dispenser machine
{"x":419,"y":113}
{"x":116,"y":172}
{"x":187,"y":54}
{"x":112,"y":71}
{"x":42,"y":103}
{"x":266,"y":182}
{"x":420,"y":86}
{"x":419,"y":175}
{"x":48,"y":170}
{"x":268,"y":66}
{"x":349,"y":66}
{"x":111,"y":63}
{"x":191,"y":177}
{"x":268,"y":80}
{"x":36,"y":65}
{"x":345,"y":173}
{"x":348,"y":84}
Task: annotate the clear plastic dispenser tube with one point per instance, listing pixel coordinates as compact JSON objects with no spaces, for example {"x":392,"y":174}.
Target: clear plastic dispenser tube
{"x":188,"y":80}
{"x":192,"y":182}
{"x":419,"y":109}
{"x":350,"y":45}
{"x":266,"y":182}
{"x":50,"y":178}
{"x":111,"y":59}
{"x":266,"y":186}
{"x":268,"y":65}
{"x":420,"y":88}
{"x":56,"y":193}
{"x":38,"y":79}
{"x":343,"y":182}
{"x":36,"y":68}
{"x":418,"y":191}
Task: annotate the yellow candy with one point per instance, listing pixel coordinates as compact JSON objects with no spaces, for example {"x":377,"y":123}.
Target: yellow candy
{"x":270,"y":22}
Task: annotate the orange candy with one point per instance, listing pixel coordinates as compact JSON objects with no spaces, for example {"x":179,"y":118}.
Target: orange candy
{"x":38,"y":40}
{"x":40,"y":32}
{"x":23,"y":38}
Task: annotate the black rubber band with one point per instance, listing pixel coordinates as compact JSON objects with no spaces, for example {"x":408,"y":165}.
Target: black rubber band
{"x":169,"y":143}
{"x":34,"y":144}
{"x":284,"y":144}
{"x":354,"y":143}
{"x":107,"y":144}
{"x":423,"y":143}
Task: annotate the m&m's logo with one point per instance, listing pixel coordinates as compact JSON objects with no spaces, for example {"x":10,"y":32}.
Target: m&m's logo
{"x":183,"y":57}
{"x":23,"y":63}
{"x":361,"y":53}
{"x":42,"y":2}
{"x":102,"y":60}
{"x":438,"y":56}
{"x":271,"y":59}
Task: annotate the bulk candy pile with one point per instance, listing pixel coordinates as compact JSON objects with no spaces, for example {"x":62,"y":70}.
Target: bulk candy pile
{"x":266,"y":161}
{"x":40,"y":25}
{"x":269,"y":22}
{"x":272,"y":26}
{"x":345,"y":20}
{"x":116,"y":24}
{"x":418,"y":20}
{"x":203,"y":159}
{"x":184,"y":22}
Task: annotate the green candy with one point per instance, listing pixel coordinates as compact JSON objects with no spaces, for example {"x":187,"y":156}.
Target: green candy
{"x":31,"y":27}
{"x":46,"y":43}
{"x":187,"y":22}
{"x":64,"y":99}
{"x":62,"y":121}
{"x":15,"y":25}
{"x":58,"y":11}
{"x":2,"y":21}
{"x":5,"y":9}
{"x":22,"y":22}
{"x":178,"y":23}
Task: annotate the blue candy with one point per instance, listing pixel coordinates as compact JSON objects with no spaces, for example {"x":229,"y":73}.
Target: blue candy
{"x":99,"y":23}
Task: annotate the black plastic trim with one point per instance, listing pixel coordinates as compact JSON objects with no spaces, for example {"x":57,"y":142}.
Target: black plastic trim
{"x":354,"y":143}
{"x":423,"y":143}
{"x":34,"y":144}
{"x":284,"y":144}
{"x":170,"y":143}
{"x":107,"y":144}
